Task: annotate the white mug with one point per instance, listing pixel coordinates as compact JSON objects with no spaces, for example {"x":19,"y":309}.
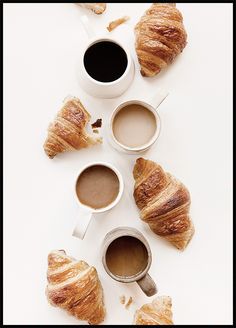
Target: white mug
{"x":85,"y":212}
{"x":103,"y":89}
{"x":151,"y":105}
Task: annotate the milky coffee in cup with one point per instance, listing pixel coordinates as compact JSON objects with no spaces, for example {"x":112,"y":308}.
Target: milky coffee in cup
{"x":97,"y":186}
{"x":134,"y":125}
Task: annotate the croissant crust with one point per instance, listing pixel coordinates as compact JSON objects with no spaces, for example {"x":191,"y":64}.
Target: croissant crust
{"x":75,"y":287}
{"x":67,"y":132}
{"x":164,"y":202}
{"x":97,"y":7}
{"x":160,"y":37}
{"x":156,"y":313}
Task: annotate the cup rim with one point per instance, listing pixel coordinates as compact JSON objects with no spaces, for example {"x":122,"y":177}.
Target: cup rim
{"x":154,"y":137}
{"x":114,"y":40}
{"x":118,"y":197}
{"x":133,"y":232}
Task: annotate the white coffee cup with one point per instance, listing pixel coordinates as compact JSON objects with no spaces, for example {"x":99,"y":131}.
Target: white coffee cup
{"x":103,"y":89}
{"x":85,"y":212}
{"x":152,"y":106}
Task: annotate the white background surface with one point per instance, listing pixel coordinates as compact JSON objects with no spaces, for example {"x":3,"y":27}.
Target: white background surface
{"x":41,"y":46}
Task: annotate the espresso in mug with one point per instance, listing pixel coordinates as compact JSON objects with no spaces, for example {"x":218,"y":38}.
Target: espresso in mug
{"x":97,"y":186}
{"x":126,"y":256}
{"x":134,"y":125}
{"x":105,"y":61}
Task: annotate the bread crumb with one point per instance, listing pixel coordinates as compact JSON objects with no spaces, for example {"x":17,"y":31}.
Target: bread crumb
{"x":130,"y":301}
{"x":122,"y":299}
{"x":97,"y":124}
{"x":95,"y":131}
{"x":112,"y":25}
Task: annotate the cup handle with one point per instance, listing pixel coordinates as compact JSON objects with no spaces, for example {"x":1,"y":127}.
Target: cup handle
{"x":87,"y":26}
{"x":156,"y":100}
{"x":81,"y":227}
{"x":147,"y":285}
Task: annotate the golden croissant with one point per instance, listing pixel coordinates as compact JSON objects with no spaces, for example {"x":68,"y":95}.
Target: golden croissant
{"x":160,"y":37}
{"x":97,"y":8}
{"x":74,"y":286}
{"x":164,"y":203}
{"x":156,"y":313}
{"x":68,"y":132}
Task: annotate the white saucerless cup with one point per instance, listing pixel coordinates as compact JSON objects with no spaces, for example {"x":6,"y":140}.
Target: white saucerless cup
{"x":85,"y":212}
{"x":103,"y":89}
{"x":152,"y":105}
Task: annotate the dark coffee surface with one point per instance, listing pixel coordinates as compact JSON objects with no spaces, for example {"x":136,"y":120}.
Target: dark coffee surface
{"x":105,"y":61}
{"x":126,"y":256}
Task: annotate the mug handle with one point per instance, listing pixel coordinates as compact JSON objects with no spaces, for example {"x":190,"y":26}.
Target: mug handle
{"x":147,"y":285}
{"x":81,"y":227}
{"x":87,"y":26}
{"x":159,"y":97}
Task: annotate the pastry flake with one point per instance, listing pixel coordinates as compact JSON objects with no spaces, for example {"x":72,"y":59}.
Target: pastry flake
{"x":112,"y":25}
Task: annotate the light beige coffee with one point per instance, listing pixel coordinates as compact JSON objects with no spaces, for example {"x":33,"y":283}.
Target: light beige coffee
{"x":97,"y":186}
{"x":134,"y":125}
{"x":126,"y":256}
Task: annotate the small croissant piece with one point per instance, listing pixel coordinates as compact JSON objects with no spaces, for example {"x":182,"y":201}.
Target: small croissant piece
{"x":160,"y":37}
{"x":112,"y":25}
{"x":97,"y":8}
{"x":67,"y":132}
{"x":164,"y":203}
{"x":74,"y":286}
{"x":156,"y":313}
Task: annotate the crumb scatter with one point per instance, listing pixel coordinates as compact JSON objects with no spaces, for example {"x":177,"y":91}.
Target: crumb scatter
{"x":122,"y":299}
{"x":130,"y":301}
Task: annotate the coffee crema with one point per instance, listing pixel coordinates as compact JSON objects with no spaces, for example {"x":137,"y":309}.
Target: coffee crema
{"x":105,"y":61}
{"x":134,"y":125}
{"x":126,"y":256}
{"x":97,"y":186}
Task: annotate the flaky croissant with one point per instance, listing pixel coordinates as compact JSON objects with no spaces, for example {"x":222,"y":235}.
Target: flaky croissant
{"x":97,"y":8}
{"x":160,"y":37}
{"x":156,"y":313}
{"x":164,"y":203}
{"x":74,"y":286}
{"x":68,"y":132}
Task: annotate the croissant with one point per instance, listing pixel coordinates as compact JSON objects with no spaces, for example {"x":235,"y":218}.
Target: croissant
{"x":156,"y":313}
{"x":67,"y":132}
{"x":159,"y":37}
{"x":74,"y":286}
{"x":97,"y":8}
{"x":164,"y":203}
